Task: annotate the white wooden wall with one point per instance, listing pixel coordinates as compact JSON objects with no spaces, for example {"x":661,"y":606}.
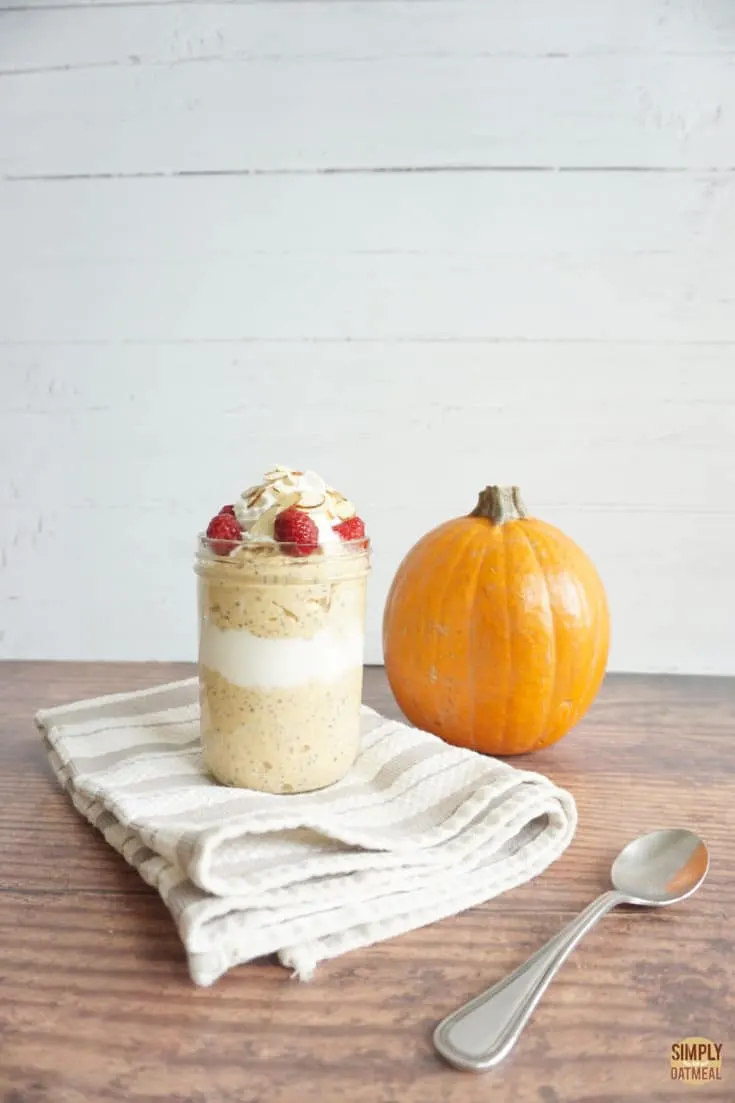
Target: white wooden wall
{"x":419,"y":245}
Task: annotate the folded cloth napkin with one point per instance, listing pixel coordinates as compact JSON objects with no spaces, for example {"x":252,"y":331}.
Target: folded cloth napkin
{"x":418,"y":830}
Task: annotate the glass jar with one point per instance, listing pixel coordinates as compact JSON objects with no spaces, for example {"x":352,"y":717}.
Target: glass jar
{"x":281,"y":639}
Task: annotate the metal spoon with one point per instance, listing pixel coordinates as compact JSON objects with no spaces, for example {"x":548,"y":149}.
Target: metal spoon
{"x":652,"y":871}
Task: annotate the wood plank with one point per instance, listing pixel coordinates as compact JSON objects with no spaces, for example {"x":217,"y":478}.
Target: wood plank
{"x":506,"y":256}
{"x":79,"y":966}
{"x":589,"y":217}
{"x":672,"y":112}
{"x":437,"y":277}
{"x":366,"y":297}
{"x":658,"y":386}
{"x":43,"y":35}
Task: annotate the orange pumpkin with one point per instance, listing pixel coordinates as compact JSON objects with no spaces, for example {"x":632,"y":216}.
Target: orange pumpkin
{"x":496,"y":630}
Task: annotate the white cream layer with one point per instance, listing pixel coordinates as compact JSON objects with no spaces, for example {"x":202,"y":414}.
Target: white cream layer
{"x":256,"y":662}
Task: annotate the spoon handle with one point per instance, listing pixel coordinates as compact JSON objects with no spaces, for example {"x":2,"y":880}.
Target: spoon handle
{"x":482,"y":1032}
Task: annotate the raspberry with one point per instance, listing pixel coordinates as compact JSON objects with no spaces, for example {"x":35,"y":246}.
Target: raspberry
{"x":293,"y":526}
{"x":351,"y":529}
{"x":228,"y":509}
{"x":223,"y":530}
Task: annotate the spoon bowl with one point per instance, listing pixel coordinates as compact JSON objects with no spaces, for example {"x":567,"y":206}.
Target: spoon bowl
{"x":661,"y":868}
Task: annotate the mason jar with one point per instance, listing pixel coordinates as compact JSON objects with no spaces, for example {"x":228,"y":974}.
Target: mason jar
{"x":281,"y":642}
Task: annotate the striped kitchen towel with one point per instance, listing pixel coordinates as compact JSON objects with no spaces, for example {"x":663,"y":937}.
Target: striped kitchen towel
{"x":418,"y":830}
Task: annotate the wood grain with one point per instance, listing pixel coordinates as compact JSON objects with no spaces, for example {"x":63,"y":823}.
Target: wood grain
{"x":95,"y":1001}
{"x":447,"y":215}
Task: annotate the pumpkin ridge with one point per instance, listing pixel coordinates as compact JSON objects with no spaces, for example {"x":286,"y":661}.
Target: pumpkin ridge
{"x":591,"y":594}
{"x":581,"y":703}
{"x":472,"y":650}
{"x":551,"y":700}
{"x":460,"y":550}
{"x":401,"y":580}
{"x":602,"y":646}
{"x":508,"y":634}
{"x":401,"y":591}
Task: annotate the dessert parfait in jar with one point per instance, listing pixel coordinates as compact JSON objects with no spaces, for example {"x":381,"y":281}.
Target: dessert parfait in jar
{"x":282,"y":577}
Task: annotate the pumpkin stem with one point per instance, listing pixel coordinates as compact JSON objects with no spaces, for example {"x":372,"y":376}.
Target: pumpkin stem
{"x":500,"y":504}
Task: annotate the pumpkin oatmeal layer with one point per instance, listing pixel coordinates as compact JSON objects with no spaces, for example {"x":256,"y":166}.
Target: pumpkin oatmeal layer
{"x":277,"y":597}
{"x":280,"y":740}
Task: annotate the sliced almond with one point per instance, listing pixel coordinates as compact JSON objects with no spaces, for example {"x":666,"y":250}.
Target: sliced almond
{"x":264,"y":525}
{"x":313,"y":503}
{"x":274,"y":474}
{"x":254,"y":497}
{"x":344,"y":509}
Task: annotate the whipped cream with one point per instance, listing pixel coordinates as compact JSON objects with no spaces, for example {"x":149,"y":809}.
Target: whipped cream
{"x":257,"y":507}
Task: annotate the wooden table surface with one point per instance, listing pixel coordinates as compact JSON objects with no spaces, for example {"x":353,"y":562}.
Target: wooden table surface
{"x":96,"y":1003}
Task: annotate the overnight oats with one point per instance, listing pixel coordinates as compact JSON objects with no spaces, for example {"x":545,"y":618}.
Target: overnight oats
{"x":282,"y":576}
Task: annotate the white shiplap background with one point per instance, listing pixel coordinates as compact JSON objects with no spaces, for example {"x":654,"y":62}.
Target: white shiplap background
{"x":419,"y":245}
